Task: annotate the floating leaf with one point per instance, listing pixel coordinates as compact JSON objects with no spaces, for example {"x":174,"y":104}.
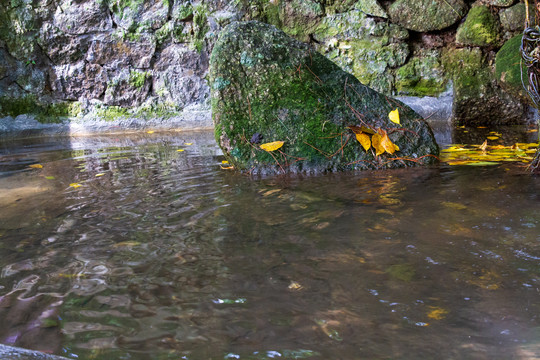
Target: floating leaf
{"x":126,"y":244}
{"x":532,"y":130}
{"x":36,"y":166}
{"x":394,"y":116}
{"x":493,"y":137}
{"x":437,"y":313}
{"x":272,"y":146}
{"x":188,"y":144}
{"x":50,"y":177}
{"x":364,"y":140}
{"x":150,"y":131}
{"x":483,"y":147}
{"x":75,"y":185}
{"x":100,"y":174}
{"x":180,"y":150}
{"x":295,"y":286}
{"x":376,"y":143}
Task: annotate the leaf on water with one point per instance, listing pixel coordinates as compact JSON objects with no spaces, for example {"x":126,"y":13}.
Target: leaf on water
{"x":481,"y":127}
{"x":100,"y":174}
{"x":364,"y":140}
{"x":387,"y":144}
{"x":295,"y":286}
{"x":483,"y":147}
{"x":454,"y":205}
{"x":532,"y":130}
{"x":126,"y":244}
{"x":36,"y":166}
{"x":272,"y":146}
{"x":188,"y":144}
{"x":376,"y":143}
{"x":493,"y":137}
{"x":437,"y":313}
{"x":394,"y":116}
{"x":180,"y":150}
{"x":75,"y":185}
{"x":50,"y":177}
{"x":270,"y":192}
{"x":150,"y":131}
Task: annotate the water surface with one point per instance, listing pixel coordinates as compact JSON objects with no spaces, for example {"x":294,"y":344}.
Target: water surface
{"x":142,"y":247}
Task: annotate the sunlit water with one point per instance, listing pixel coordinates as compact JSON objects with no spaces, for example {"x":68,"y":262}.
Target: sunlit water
{"x":155,"y":253}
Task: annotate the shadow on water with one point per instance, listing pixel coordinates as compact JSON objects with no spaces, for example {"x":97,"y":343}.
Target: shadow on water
{"x":142,"y":247}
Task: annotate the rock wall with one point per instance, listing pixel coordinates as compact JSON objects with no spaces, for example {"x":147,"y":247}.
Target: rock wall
{"x":109,"y":59}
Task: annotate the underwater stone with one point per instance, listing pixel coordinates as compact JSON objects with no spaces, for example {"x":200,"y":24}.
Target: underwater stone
{"x":296,"y":95}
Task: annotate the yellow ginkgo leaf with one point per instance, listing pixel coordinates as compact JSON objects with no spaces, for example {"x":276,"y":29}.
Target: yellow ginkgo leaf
{"x":36,"y":166}
{"x":75,"y":185}
{"x":100,"y":174}
{"x":188,"y":144}
{"x":394,"y":116}
{"x":150,"y":132}
{"x":272,"y":146}
{"x":376,"y":143}
{"x":387,"y":144}
{"x":180,"y":150}
{"x":493,"y":137}
{"x":224,"y":162}
{"x":364,"y":140}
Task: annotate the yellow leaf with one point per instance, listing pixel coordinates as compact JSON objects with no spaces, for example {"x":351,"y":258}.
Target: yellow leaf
{"x":295,"y":286}
{"x":364,"y":140}
{"x":394,"y":116}
{"x":360,"y":129}
{"x":493,"y":137}
{"x":483,"y":146}
{"x":150,"y":132}
{"x":36,"y":166}
{"x":49,"y":177}
{"x":188,"y":144}
{"x":387,"y":144}
{"x":272,"y":146}
{"x":75,"y":185}
{"x":100,"y":174}
{"x":224,"y":162}
{"x":437,"y":313}
{"x":180,"y":150}
{"x":376,"y":143}
{"x":533,"y":130}
{"x":396,"y":148}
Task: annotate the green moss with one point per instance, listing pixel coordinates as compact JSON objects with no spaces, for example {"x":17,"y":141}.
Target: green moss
{"x":44,"y":113}
{"x":183,"y":11}
{"x":508,"y":67}
{"x":137,"y":79}
{"x":111,"y":113}
{"x":421,"y":76}
{"x":200,"y":25}
{"x":479,"y":29}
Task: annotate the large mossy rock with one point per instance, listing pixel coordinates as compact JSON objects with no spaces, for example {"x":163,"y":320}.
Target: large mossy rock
{"x":479,"y":29}
{"x":268,"y":85}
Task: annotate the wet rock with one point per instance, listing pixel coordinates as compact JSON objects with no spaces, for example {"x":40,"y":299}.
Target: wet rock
{"x":513,"y":18}
{"x":73,"y":81}
{"x":423,"y":75}
{"x":499,"y":3}
{"x":300,"y":17}
{"x":363,"y":46}
{"x":179,"y":76}
{"x":507,"y":68}
{"x":83,"y":17}
{"x":138,"y":16}
{"x":128,"y":88}
{"x":427,"y":15}
{"x":11,"y":352}
{"x":479,"y":29}
{"x":265,"y":82}
{"x":371,"y":7}
{"x":113,"y":53}
{"x":477,"y":98}
{"x":62,"y":48}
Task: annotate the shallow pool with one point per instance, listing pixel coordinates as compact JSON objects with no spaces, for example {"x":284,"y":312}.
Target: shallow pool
{"x":143,"y":247}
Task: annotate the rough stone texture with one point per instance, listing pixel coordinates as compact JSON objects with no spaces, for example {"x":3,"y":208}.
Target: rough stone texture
{"x":513,"y":18}
{"x":364,"y":47}
{"x":265,"y":82}
{"x":499,"y":3}
{"x":128,"y":88}
{"x":477,"y":99}
{"x":479,"y":29}
{"x":507,"y":68}
{"x":11,"y":352}
{"x":81,"y":79}
{"x":423,"y":75}
{"x":427,"y":15}
{"x":110,"y":52}
{"x":371,"y":7}
{"x":77,"y":18}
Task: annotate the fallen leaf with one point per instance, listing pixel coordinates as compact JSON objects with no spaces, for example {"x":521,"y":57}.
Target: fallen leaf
{"x":364,"y":140}
{"x":36,"y":166}
{"x":224,"y":162}
{"x":150,"y":131}
{"x":361,"y":129}
{"x":376,"y":143}
{"x":180,"y":150}
{"x":493,"y":137}
{"x":75,"y":185}
{"x":387,"y":144}
{"x":126,"y":244}
{"x":294,"y":286}
{"x":49,"y":177}
{"x":437,"y":313}
{"x":394,"y":116}
{"x":483,"y":146}
{"x":100,"y":174}
{"x":532,"y":130}
{"x":188,"y":144}
{"x":272,"y":146}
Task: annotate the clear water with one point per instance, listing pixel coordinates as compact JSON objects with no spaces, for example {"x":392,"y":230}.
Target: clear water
{"x":161,"y":254}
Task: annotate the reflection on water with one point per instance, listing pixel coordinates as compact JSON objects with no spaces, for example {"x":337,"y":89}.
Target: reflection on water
{"x":142,"y":247}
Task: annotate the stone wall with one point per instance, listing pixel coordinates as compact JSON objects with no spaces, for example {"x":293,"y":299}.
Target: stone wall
{"x":111,"y":59}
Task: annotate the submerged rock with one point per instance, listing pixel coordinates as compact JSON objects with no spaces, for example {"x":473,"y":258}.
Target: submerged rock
{"x":265,"y":82}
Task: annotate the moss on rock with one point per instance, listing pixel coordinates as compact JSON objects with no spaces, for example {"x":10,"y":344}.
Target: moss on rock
{"x":291,"y":93}
{"x":480,"y":28}
{"x":508,"y":68}
{"x":43,"y":112}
